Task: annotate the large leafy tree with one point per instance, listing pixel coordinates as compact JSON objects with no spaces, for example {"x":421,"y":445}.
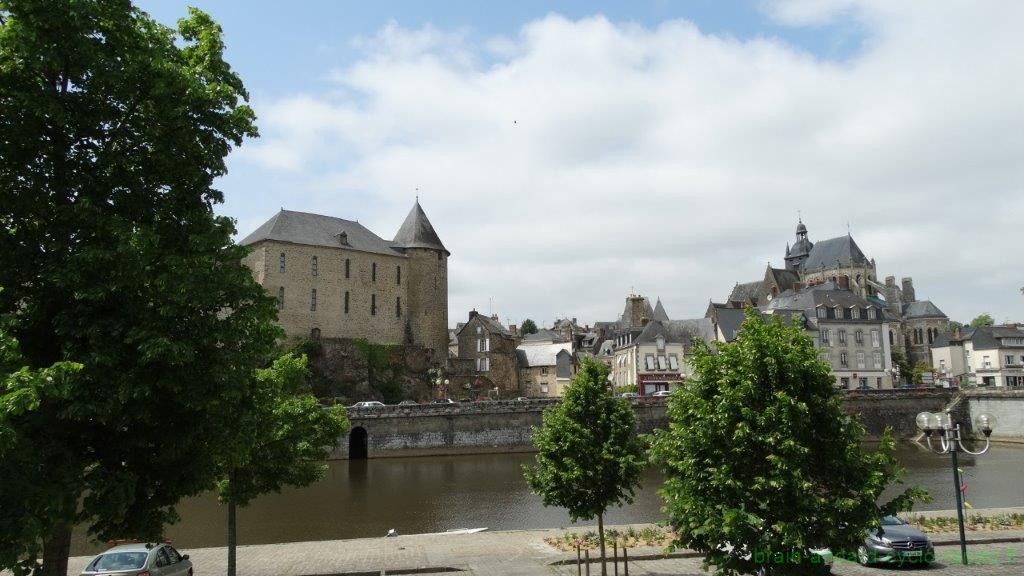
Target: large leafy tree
{"x":982,"y":320}
{"x":761,"y":462}
{"x":589,"y":456}
{"x":528,"y":327}
{"x":113,"y":129}
{"x":283,"y":439}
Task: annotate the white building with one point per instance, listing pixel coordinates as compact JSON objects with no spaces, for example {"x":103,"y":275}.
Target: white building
{"x":987,"y":356}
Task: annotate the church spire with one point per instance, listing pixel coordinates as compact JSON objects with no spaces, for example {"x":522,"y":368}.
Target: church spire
{"x":417,"y":232}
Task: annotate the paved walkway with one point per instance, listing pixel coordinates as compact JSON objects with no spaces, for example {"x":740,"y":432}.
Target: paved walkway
{"x":523,"y":553}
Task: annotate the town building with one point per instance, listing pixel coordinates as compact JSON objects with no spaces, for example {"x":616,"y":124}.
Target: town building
{"x":912,"y":325}
{"x":334,"y":278}
{"x":991,"y":356}
{"x":653,"y":358}
{"x":486,"y":360}
{"x":545,"y":369}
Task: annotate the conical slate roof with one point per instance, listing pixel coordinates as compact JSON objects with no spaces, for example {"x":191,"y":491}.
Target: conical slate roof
{"x":417,"y":232}
{"x":659,"y":312}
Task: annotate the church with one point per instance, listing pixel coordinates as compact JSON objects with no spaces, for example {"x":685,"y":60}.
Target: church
{"x":913,"y":324}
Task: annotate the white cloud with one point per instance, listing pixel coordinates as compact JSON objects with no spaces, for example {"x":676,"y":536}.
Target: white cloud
{"x":580,"y":159}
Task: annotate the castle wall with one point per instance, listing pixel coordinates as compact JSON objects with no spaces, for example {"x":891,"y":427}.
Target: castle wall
{"x":380,"y":326}
{"x":427,"y":292}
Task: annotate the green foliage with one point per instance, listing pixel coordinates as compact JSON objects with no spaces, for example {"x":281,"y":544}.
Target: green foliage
{"x":284,"y":436}
{"x":954,"y":326}
{"x":527,"y":327}
{"x":920,"y":369}
{"x":589,"y":455}
{"x":982,"y":320}
{"x":113,"y":129}
{"x":760,"y":455}
{"x":900,"y":361}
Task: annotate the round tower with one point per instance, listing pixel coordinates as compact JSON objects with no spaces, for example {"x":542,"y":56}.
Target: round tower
{"x":427,"y":285}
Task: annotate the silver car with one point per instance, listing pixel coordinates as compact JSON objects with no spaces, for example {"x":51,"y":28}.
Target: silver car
{"x":140,"y":560}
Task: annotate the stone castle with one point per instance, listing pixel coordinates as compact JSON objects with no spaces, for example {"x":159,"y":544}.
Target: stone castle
{"x":334,"y":278}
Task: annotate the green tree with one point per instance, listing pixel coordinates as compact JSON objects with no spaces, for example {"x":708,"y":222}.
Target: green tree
{"x":527,"y":327}
{"x":954,"y":326}
{"x":113,"y":129}
{"x":760,"y":458}
{"x":900,"y":361}
{"x":982,"y":320}
{"x":589,"y":456}
{"x":920,"y":369}
{"x":284,"y":437}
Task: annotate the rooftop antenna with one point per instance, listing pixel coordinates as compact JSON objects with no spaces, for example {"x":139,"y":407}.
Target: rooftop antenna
{"x":847,"y":227}
{"x":799,"y":217}
{"x":490,"y":305}
{"x":417,"y":194}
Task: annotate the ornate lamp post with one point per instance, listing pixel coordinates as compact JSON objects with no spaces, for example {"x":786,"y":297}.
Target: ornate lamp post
{"x":951,"y":442}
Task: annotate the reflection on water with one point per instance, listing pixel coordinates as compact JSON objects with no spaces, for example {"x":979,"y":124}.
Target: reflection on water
{"x":361,"y":498}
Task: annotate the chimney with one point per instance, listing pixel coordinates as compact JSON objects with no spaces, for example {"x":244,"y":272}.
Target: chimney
{"x":512,"y":329}
{"x":844,"y":282}
{"x":574,"y":321}
{"x":636,"y":310}
{"x":494,"y":317}
{"x":472,"y":313}
{"x":908,"y":290}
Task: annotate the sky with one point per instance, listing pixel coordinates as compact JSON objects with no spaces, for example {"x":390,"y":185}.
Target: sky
{"x":571,"y":153}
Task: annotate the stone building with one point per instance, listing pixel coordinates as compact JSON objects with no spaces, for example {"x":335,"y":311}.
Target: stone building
{"x":545,"y":369}
{"x":486,"y":358}
{"x":655,"y":357}
{"x":334,"y":278}
{"x":912,"y":325}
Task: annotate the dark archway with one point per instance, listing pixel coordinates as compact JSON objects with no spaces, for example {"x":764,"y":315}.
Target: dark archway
{"x":357,"y":444}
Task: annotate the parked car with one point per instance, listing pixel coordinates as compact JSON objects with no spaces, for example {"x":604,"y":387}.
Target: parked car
{"x":521,"y":399}
{"x":895,"y":542}
{"x":444,"y":401}
{"x":368,"y":404}
{"x":629,"y":395}
{"x":134,"y":559}
{"x":661,"y":393}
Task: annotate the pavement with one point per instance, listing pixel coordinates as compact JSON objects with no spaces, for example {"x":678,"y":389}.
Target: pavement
{"x":524,"y":553}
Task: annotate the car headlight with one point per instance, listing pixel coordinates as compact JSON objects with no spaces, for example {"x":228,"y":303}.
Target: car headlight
{"x":879,"y":539}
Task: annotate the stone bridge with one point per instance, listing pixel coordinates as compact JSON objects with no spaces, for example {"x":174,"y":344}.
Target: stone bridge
{"x":506,"y":426}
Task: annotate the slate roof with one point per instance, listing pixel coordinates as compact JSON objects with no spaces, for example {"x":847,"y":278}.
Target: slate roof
{"x":492,"y":325}
{"x":784,"y":278}
{"x":659,"y":312}
{"x":922,"y":309}
{"x":677,"y":331}
{"x":842,"y":251}
{"x":318,"y":230}
{"x":648,"y":312}
{"x":417,"y":232}
{"x":747,"y":292}
{"x":541,"y":354}
{"x":543,"y":336}
{"x":987,"y":337}
{"x":808,"y":299}
{"x":729,"y":321}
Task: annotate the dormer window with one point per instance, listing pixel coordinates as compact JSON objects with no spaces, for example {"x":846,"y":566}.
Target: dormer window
{"x":821,"y":312}
{"x":660,"y":342}
{"x":838,"y":312}
{"x":342,"y":238}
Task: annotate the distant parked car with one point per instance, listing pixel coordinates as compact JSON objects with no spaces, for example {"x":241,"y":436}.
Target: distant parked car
{"x":368,"y":404}
{"x":133,"y":559}
{"x":629,"y":395}
{"x":408,"y":403}
{"x":896,"y":542}
{"x":444,"y":401}
{"x":522,"y":399}
{"x":661,"y":393}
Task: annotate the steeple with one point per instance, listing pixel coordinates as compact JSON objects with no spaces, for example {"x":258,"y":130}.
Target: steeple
{"x":659,"y":312}
{"x":796,"y":255}
{"x":417,"y":232}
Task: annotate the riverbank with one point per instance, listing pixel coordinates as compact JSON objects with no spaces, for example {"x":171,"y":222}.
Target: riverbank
{"x":524,"y":552}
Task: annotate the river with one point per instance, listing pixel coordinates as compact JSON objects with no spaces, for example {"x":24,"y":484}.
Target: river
{"x":361,"y":498}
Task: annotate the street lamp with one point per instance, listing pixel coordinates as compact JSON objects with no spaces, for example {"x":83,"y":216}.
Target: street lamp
{"x":950,"y":442}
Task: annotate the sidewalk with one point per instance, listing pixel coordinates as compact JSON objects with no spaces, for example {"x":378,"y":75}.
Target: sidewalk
{"x":523,"y":553}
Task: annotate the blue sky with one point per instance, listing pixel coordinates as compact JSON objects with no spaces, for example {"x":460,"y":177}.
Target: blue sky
{"x":571,"y":152}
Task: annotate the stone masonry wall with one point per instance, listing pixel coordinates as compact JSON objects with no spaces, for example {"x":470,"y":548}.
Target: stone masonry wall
{"x":1006,"y":405}
{"x":505,"y":426}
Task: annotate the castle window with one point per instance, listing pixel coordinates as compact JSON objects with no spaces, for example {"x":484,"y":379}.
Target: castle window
{"x":373,"y":304}
{"x":280,"y":298}
{"x":439,"y":256}
{"x":314,"y":335}
{"x":315,"y":268}
{"x":892,"y":338}
{"x":346,"y":301}
{"x":398,"y":307}
{"x":348,"y":268}
{"x":312,"y":300}
{"x":281,"y":260}
{"x":398,"y":275}
{"x":373,"y":272}
{"x":931,"y":336}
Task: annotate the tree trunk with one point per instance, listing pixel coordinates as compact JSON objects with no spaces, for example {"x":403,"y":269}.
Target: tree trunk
{"x":56,"y":549}
{"x":232,"y":538}
{"x":600,"y":538}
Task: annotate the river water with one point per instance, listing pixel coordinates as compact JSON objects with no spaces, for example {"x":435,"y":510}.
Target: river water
{"x":366,"y":498}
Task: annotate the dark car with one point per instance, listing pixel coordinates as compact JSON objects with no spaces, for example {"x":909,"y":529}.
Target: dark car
{"x":895,"y":542}
{"x":136,"y":559}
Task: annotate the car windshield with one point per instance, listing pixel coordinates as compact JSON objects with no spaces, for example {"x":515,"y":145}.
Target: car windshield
{"x":118,"y":561}
{"x":892,"y":521}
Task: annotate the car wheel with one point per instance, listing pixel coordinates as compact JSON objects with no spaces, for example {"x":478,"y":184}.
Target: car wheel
{"x":862,"y":556}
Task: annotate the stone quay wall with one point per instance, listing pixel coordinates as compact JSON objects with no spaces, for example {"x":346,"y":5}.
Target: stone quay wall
{"x":506,"y":426}
{"x":1006,"y":405}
